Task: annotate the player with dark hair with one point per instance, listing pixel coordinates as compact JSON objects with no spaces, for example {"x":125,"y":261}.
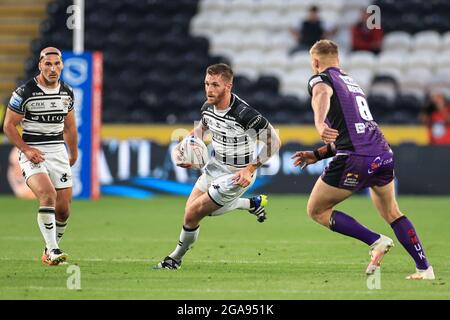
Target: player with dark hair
{"x":44,"y":108}
{"x":362,"y":158}
{"x":235,"y":128}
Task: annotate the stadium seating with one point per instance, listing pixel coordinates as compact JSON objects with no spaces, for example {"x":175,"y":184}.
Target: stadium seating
{"x":155,"y":53}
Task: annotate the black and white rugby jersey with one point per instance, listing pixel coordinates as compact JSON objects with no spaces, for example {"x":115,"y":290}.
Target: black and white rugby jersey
{"x":233,"y":131}
{"x":44,"y":111}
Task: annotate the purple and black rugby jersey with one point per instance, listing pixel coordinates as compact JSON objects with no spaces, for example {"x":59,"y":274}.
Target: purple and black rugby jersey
{"x":349,"y":114}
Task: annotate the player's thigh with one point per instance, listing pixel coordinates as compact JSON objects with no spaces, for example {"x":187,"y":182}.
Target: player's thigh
{"x":324,"y":197}
{"x":195,"y":193}
{"x":42,"y":187}
{"x":199,"y":208}
{"x":384,"y":200}
{"x":63,"y":200}
{"x":224,"y":190}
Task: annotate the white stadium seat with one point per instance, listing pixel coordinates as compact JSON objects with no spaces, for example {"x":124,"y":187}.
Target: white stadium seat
{"x":299,"y":5}
{"x":248,"y":59}
{"x":391,"y":59}
{"x":267,"y":20}
{"x":255,"y":36}
{"x":416,"y":82}
{"x":228,"y":39}
{"x":427,"y":40}
{"x":257,"y":39}
{"x":300,"y":60}
{"x":281,"y":40}
{"x":207,"y":6}
{"x":443,"y":60}
{"x":206,"y":24}
{"x":356,"y":4}
{"x":445,"y":41}
{"x":270,"y":5}
{"x":332,"y":5}
{"x":241,"y":5}
{"x":349,"y":17}
{"x":276,"y":59}
{"x":363,"y":77}
{"x":237,"y":20}
{"x":397,"y":40}
{"x":421,"y":59}
{"x":361,"y":59}
{"x":296,"y":83}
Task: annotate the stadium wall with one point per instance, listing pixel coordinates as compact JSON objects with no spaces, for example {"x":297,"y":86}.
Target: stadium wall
{"x":142,"y":168}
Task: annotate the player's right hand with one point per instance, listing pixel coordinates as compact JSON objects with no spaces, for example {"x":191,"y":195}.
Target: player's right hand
{"x":34,"y":155}
{"x":178,"y":158}
{"x":327,"y":134}
{"x":304,"y":158}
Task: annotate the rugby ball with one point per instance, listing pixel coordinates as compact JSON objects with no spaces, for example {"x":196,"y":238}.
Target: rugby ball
{"x":194,"y":151}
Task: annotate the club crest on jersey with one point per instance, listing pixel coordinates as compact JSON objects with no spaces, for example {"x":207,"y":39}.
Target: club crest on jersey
{"x":66,"y":101}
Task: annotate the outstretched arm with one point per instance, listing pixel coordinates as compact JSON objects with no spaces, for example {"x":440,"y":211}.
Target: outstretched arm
{"x":305,"y":158}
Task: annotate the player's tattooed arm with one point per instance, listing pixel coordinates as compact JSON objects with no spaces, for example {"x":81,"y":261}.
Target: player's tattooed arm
{"x":271,"y":145}
{"x":199,"y":130}
{"x":321,"y":94}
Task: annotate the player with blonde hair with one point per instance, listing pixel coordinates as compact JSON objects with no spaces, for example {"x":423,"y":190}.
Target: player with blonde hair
{"x":362,"y":159}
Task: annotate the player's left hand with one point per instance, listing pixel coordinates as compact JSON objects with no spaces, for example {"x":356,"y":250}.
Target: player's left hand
{"x":304,"y":158}
{"x":73,"y":158}
{"x":243,"y":177}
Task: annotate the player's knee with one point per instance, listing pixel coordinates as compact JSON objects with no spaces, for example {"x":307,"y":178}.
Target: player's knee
{"x":47,"y":197}
{"x":62,"y":213}
{"x":393,"y":214}
{"x":312,"y":211}
{"x":191,"y":222}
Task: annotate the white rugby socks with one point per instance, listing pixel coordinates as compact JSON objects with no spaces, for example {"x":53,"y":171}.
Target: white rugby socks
{"x":187,"y":238}
{"x":46,"y":222}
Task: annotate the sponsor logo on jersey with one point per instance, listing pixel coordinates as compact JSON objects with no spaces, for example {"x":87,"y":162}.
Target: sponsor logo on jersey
{"x":360,"y":127}
{"x":254,"y":122}
{"x":34,"y":105}
{"x":376,"y":163}
{"x":48,"y":118}
{"x":315,"y":80}
{"x":15,"y":101}
{"x":351,"y":180}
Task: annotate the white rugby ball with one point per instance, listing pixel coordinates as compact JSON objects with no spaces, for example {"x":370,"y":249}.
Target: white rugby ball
{"x":194,"y":151}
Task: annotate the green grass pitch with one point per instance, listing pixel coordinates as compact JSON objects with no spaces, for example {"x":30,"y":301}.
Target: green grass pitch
{"x":115,"y":241}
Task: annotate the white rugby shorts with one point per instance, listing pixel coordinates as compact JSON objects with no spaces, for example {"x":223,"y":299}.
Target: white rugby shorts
{"x":56,"y":165}
{"x":216,"y":179}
